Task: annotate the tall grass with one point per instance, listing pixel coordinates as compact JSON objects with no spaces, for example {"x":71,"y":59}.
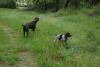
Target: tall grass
{"x":84,"y":48}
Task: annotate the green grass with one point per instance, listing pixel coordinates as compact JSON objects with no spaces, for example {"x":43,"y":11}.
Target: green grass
{"x":84,"y":48}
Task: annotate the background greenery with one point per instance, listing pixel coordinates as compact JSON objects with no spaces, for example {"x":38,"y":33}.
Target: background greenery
{"x":84,"y":48}
{"x":79,"y":17}
{"x":44,"y":5}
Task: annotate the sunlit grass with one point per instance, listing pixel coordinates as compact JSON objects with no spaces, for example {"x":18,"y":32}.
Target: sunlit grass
{"x":84,"y":48}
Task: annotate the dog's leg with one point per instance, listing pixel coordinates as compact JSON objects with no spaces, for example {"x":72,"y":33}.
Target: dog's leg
{"x":65,"y":45}
{"x":23,"y":32}
{"x":55,"y":41}
{"x":33,"y":29}
{"x":27,"y":33}
{"x":65,"y":42}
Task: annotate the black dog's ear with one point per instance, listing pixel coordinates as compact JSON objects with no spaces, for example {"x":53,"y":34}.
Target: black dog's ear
{"x":36,"y":18}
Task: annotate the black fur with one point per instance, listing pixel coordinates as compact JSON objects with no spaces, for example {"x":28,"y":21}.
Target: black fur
{"x":31,"y":25}
{"x":67,"y":35}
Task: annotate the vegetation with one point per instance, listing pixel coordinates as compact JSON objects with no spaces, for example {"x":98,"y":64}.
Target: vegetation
{"x":79,"y":17}
{"x":7,"y":4}
{"x":39,"y":48}
{"x":61,"y":4}
{"x":45,"y":5}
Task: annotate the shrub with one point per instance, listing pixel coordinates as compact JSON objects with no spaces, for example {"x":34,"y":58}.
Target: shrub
{"x":7,"y":4}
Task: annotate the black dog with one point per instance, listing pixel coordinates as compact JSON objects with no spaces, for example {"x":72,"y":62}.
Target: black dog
{"x":31,"y":25}
{"x":63,"y":37}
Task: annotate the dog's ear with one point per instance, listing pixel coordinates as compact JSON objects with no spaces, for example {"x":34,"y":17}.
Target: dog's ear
{"x":68,"y":34}
{"x":36,"y":18}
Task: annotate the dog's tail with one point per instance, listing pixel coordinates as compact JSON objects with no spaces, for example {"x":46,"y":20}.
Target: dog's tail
{"x":23,"y":25}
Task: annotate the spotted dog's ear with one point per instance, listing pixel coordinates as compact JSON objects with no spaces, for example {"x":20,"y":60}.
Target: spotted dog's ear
{"x":68,"y":34}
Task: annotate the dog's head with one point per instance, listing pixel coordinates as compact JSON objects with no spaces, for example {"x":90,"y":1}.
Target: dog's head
{"x":67,"y":34}
{"x":36,"y":19}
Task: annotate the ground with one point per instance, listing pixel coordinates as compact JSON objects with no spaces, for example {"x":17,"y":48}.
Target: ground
{"x":39,"y":49}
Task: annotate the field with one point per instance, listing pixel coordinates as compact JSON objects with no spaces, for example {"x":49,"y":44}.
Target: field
{"x":39,"y":50}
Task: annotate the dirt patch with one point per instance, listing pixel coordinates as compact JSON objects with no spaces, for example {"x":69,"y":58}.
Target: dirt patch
{"x":5,"y":65}
{"x":11,"y":34}
{"x":25,"y":60}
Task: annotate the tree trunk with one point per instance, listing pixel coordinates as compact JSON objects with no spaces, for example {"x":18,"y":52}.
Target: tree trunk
{"x":57,"y":5}
{"x":45,"y":8}
{"x":66,"y":3}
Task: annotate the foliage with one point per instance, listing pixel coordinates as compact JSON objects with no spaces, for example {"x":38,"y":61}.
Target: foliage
{"x":7,"y":4}
{"x":60,"y":4}
{"x":84,"y":48}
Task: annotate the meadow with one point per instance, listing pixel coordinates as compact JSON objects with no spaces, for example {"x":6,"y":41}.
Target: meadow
{"x":39,"y":50}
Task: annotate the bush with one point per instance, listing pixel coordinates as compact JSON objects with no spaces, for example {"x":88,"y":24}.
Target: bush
{"x":7,"y":4}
